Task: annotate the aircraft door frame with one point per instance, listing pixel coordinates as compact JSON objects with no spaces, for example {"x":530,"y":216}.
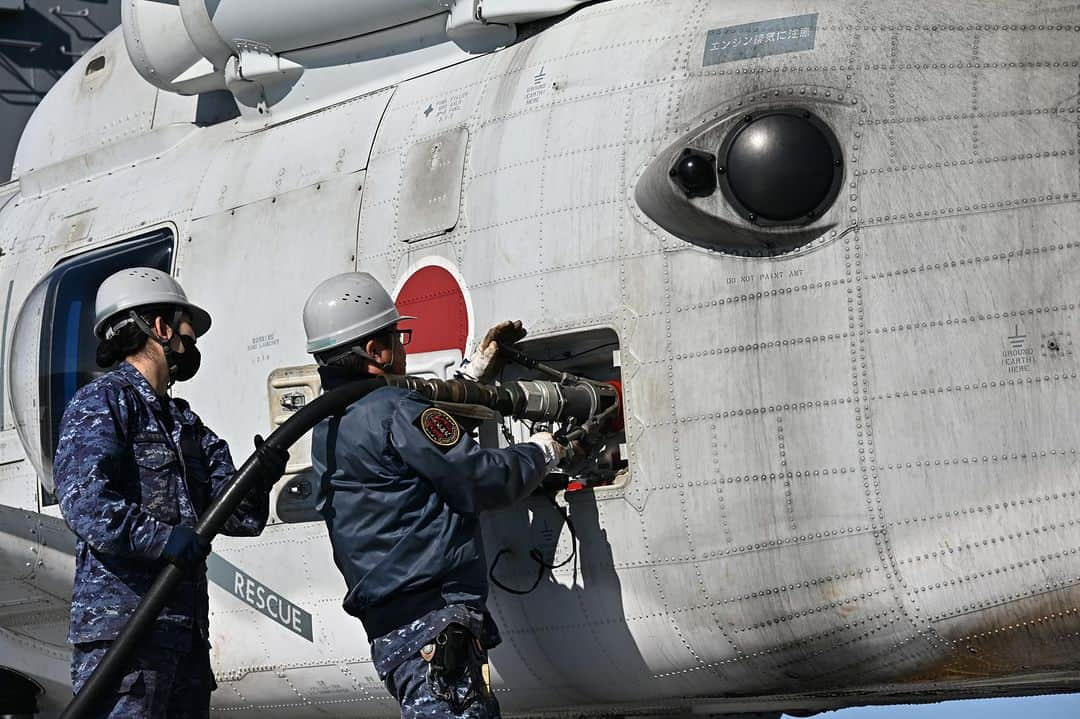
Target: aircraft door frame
{"x":81,"y":271}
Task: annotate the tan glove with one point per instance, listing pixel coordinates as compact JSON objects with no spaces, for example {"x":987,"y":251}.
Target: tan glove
{"x":485,"y":363}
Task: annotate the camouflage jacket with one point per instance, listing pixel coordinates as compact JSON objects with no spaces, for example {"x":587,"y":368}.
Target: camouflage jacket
{"x":129,"y":466}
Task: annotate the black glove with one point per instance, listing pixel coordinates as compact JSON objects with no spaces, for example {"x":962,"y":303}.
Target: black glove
{"x":185,"y":548}
{"x":270,"y":463}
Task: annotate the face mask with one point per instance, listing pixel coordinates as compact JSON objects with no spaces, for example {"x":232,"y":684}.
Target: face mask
{"x":183,"y":367}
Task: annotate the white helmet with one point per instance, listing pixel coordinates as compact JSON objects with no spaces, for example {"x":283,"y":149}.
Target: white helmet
{"x":346,"y":308}
{"x":142,"y":287}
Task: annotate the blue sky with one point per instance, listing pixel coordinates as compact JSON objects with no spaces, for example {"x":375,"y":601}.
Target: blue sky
{"x":1061,"y":706}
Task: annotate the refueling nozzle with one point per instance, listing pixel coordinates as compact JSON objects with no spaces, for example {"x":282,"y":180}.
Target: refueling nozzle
{"x":572,"y":402}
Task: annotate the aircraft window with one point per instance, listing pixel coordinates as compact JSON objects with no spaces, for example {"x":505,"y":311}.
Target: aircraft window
{"x":57,"y":321}
{"x":95,"y":65}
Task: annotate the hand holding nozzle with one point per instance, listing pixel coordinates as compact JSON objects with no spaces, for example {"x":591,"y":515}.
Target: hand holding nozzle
{"x":554,"y":451}
{"x":559,"y":453}
{"x":488,"y":359}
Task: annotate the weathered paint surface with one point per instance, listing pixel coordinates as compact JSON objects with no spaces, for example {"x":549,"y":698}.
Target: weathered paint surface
{"x":853,"y":469}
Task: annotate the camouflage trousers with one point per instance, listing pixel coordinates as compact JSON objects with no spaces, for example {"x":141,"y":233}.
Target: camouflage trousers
{"x":163,"y":681}
{"x":410,"y":686}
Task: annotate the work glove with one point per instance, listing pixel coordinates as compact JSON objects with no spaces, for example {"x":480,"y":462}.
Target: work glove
{"x":270,"y":463}
{"x":185,"y":549}
{"x":554,"y":452}
{"x":485,"y":363}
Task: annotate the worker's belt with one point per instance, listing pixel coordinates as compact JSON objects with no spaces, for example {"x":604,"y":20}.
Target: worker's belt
{"x":399,"y":610}
{"x":457,"y":668}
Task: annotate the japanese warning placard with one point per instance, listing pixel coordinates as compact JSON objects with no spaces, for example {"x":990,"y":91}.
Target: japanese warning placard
{"x":760,"y":39}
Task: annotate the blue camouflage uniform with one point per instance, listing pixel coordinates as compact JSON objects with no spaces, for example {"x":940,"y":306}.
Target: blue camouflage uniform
{"x":130,"y":466}
{"x":401,"y":488}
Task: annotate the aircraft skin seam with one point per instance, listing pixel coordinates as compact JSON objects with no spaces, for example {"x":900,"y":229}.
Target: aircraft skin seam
{"x":455,"y":236}
{"x":714,"y":445}
{"x":1048,"y":588}
{"x":752,"y":411}
{"x":861,"y":389}
{"x":1024,"y":625}
{"x":35,"y":617}
{"x":976,"y":385}
{"x":713,"y":605}
{"x":546,"y":213}
{"x":691,"y":28}
{"x":566,"y":268}
{"x":357,"y":685}
{"x":236,"y":674}
{"x":795,"y":644}
{"x":609,"y":92}
{"x":991,"y":542}
{"x":770,"y":477}
{"x":883,"y":616}
{"x":785,"y":343}
{"x":989,"y":573}
{"x":496,"y":609}
{"x":784,"y":619}
{"x":36,"y":645}
{"x":525,"y":69}
{"x":920,"y":68}
{"x":314,"y":115}
{"x":763,"y":294}
{"x":868,"y":665}
{"x":542,"y":198}
{"x":932,"y":166}
{"x":823,"y":535}
{"x":975,"y":260}
{"x":1000,"y":506}
{"x":971,"y":319}
{"x":621,"y":145}
{"x":998,"y":205}
{"x":661,"y":594}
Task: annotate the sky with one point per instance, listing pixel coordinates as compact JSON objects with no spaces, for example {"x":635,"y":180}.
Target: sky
{"x":1060,"y":706}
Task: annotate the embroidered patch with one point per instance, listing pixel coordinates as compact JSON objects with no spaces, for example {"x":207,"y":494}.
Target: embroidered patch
{"x":438,"y":426}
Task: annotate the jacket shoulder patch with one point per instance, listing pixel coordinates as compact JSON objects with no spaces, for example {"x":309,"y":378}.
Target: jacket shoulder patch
{"x":439,"y":427}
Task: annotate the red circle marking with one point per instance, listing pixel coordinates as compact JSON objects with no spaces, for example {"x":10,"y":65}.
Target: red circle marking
{"x":435,"y":298}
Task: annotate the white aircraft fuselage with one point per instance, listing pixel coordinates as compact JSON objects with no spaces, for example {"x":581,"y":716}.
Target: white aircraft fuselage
{"x":851,"y":439}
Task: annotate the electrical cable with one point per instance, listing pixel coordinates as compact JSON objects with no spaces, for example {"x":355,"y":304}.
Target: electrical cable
{"x":578,"y":354}
{"x":537,"y":556}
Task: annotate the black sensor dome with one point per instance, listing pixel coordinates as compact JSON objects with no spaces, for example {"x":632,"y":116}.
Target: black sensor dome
{"x":695,"y":173}
{"x":781,"y":167}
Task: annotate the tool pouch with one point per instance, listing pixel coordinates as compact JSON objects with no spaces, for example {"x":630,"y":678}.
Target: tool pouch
{"x":457,"y":668}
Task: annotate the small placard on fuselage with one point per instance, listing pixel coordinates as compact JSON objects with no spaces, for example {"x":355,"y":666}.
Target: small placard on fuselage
{"x":760,"y":39}
{"x":252,"y":592}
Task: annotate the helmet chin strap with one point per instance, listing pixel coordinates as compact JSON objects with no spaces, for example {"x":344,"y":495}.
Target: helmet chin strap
{"x":171,"y":355}
{"x":388,"y":367}
{"x":356,"y":351}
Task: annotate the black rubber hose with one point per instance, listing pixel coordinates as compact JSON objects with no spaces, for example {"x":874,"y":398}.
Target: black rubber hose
{"x":108,"y":672}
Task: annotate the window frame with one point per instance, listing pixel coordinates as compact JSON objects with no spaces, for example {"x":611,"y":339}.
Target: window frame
{"x":47,"y":342}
